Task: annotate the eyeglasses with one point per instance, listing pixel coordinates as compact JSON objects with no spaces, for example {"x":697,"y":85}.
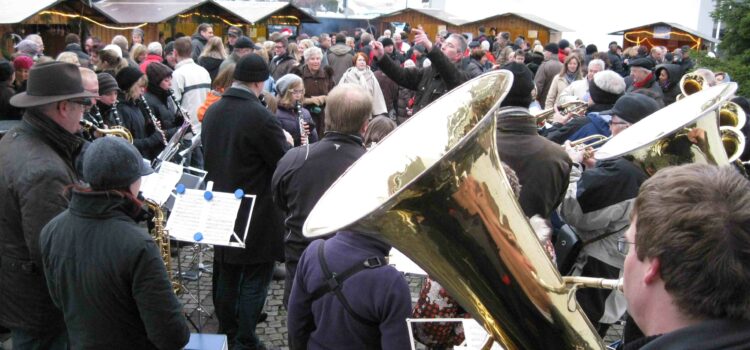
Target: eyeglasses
{"x":622,"y":245}
{"x":84,"y":102}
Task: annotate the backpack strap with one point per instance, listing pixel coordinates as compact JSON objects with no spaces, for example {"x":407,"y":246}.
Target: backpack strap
{"x":334,"y":281}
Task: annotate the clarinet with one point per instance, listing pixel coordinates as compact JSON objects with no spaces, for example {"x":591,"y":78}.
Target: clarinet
{"x":97,"y":116}
{"x":182,"y":113}
{"x":116,"y":114}
{"x":300,"y":118}
{"x":153,"y":118}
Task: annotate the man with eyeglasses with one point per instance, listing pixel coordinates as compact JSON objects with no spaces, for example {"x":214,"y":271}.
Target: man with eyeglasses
{"x":37,"y":160}
{"x":687,"y":259}
{"x":282,"y":62}
{"x":597,"y":207}
{"x":447,"y":71}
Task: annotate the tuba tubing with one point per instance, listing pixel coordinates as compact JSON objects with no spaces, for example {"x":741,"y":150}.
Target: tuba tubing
{"x":447,"y":204}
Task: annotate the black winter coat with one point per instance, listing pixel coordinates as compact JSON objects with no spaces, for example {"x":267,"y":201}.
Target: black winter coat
{"x":301,"y":178}
{"x":211,"y":64}
{"x":37,"y":164}
{"x":8,"y":111}
{"x":431,"y":82}
{"x":145,"y":138}
{"x":165,"y":111}
{"x":542,"y":166}
{"x":242,"y":142}
{"x":616,"y":63}
{"x":107,"y":276}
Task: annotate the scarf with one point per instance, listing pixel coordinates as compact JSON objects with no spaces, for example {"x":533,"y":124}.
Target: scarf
{"x":570,"y":77}
{"x":364,"y":78}
{"x":644,"y":82}
{"x":66,"y":144}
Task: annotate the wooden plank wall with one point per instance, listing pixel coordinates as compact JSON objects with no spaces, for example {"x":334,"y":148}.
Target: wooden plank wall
{"x":414,"y":18}
{"x":514,"y":25}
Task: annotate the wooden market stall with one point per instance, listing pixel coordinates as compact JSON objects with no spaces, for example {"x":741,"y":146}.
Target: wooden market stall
{"x":529,"y":26}
{"x":431,"y":20}
{"x":264,"y":17}
{"x":669,"y":35}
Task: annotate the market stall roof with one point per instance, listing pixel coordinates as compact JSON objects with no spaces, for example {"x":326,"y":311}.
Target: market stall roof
{"x":148,"y":11}
{"x":533,"y":18}
{"x":669,"y":24}
{"x":257,"y":11}
{"x":16,"y":11}
{"x":438,"y":15}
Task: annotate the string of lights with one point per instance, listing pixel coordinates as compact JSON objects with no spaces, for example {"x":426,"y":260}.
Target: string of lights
{"x":638,"y":40}
{"x":88,"y":19}
{"x":186,"y":15}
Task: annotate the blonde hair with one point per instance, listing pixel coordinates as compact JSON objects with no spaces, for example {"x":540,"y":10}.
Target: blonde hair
{"x":68,"y":57}
{"x":286,"y":99}
{"x":291,"y":50}
{"x":214,"y":49}
{"x":137,"y":50}
{"x":134,"y":93}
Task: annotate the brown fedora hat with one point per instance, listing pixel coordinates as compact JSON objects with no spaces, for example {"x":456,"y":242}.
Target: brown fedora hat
{"x":51,"y":82}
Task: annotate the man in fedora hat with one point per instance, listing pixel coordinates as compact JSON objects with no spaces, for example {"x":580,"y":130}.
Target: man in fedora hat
{"x":37,"y":160}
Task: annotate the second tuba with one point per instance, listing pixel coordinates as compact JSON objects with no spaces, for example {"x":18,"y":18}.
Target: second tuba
{"x":445,"y":202}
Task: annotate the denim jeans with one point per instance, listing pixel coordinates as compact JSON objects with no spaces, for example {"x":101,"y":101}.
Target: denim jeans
{"x":25,"y":340}
{"x":241,"y":292}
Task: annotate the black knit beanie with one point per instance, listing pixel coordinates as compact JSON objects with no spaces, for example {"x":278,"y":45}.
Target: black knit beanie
{"x":127,"y":77}
{"x":251,"y":69}
{"x":156,"y":72}
{"x":520,"y":92}
{"x":107,"y":83}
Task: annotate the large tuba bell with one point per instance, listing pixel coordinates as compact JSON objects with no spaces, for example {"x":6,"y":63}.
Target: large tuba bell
{"x":445,"y":202}
{"x":686,"y":131}
{"x":691,"y":83}
{"x":731,"y":114}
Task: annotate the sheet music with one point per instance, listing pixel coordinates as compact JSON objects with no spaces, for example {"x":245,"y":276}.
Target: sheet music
{"x":213,"y":219}
{"x":158,"y":186}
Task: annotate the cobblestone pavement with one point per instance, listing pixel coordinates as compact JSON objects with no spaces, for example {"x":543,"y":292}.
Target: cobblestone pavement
{"x":273,"y":331}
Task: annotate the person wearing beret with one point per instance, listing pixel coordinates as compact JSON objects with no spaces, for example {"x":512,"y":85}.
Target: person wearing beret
{"x":597,"y":206}
{"x":38,"y":161}
{"x":104,"y":271}
{"x":642,"y":72}
{"x":242,"y":142}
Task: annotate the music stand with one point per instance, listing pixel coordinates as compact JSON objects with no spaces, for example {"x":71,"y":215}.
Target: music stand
{"x":196,"y":225}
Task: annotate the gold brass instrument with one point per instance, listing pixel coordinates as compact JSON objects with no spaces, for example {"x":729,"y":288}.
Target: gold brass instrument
{"x":691,"y":83}
{"x":577,"y":107}
{"x":161,"y":238}
{"x":118,"y":131}
{"x":687,"y":131}
{"x":731,"y":114}
{"x":597,"y":138}
{"x":733,"y":141}
{"x":446,"y":203}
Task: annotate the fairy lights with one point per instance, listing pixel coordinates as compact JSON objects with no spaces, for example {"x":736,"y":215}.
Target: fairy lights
{"x":644,"y":39}
{"x":69,"y":15}
{"x":293,"y":20}
{"x":186,"y":15}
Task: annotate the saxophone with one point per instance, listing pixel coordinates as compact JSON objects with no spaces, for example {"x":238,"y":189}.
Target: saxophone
{"x":161,"y":237}
{"x":118,"y":131}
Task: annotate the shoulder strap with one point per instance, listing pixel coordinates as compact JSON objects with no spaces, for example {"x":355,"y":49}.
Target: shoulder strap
{"x":335,"y":280}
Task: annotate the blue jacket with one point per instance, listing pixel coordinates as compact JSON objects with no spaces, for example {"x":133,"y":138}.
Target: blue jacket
{"x":380,"y":295}
{"x":596,"y":125}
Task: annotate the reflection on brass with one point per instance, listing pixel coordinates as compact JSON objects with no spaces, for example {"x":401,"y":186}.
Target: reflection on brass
{"x":459,"y":220}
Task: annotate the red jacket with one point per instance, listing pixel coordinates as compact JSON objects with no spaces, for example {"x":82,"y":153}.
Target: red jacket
{"x":150,"y":59}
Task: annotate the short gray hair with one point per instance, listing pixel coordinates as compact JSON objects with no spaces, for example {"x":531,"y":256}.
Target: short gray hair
{"x":312,"y":51}
{"x":597,"y":62}
{"x":155,"y":48}
{"x":348,"y":107}
{"x":461,"y":42}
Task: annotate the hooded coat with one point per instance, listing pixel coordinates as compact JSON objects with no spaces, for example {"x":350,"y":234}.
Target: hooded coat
{"x":672,"y":88}
{"x":340,"y":59}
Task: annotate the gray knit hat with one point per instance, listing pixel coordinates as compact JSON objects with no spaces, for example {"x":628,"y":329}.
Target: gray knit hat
{"x":283,"y":84}
{"x":111,"y":163}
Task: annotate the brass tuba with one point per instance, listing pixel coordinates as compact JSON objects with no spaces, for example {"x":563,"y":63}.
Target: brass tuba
{"x":161,"y":237}
{"x":117,"y":131}
{"x":576,"y":107}
{"x":686,"y":131}
{"x":731,"y":114}
{"x":445,"y":202}
{"x":691,"y":83}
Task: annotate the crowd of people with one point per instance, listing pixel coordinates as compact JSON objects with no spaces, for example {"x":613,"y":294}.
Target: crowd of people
{"x":283,"y":119}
